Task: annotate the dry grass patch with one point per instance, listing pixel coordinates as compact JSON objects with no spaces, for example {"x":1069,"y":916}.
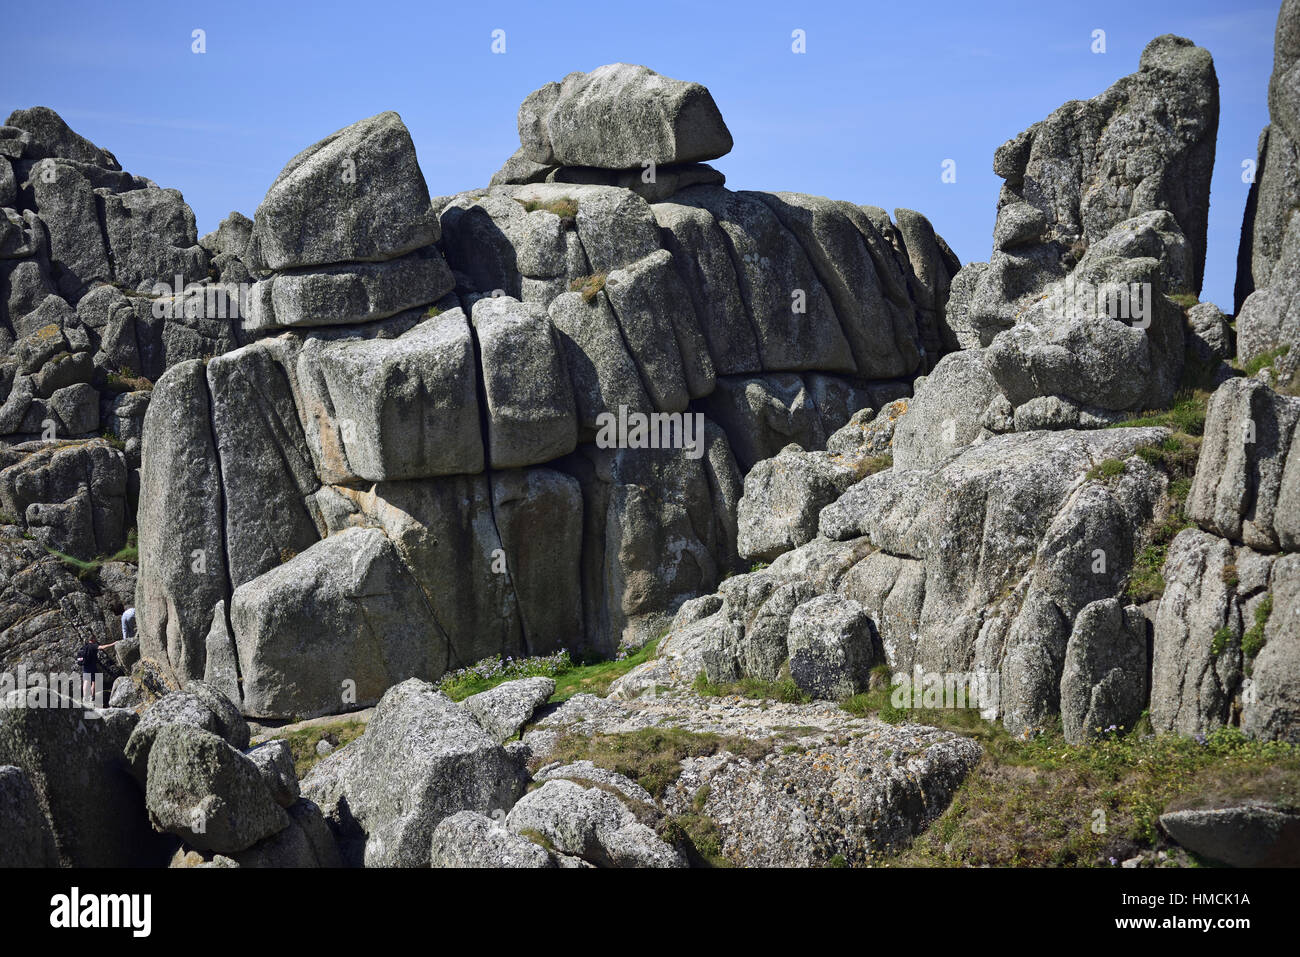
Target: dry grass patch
{"x":589,"y":286}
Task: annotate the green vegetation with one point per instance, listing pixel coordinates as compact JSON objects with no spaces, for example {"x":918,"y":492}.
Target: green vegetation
{"x":490,"y":672}
{"x":588,"y":285}
{"x":125,"y":380}
{"x":432,"y":311}
{"x":1264,"y":360}
{"x":1176,"y":456}
{"x":596,"y":677}
{"x":130,"y":552}
{"x":1221,"y":640}
{"x":758,"y":566}
{"x":7,"y":519}
{"x":1042,"y":802}
{"x":303,"y":741}
{"x":1184,"y":300}
{"x":1106,"y":469}
{"x":1252,"y":642}
{"x":783,"y":689}
{"x":571,"y":677}
{"x":877,"y":701}
{"x":1147,"y":581}
{"x":538,"y":838}
{"x":652,"y":757}
{"x":872,"y":464}
{"x":1185,"y":416}
{"x":1038,"y":801}
{"x":565,"y":207}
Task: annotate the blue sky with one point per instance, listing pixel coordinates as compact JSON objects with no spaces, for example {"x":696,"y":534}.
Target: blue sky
{"x":884,"y":94}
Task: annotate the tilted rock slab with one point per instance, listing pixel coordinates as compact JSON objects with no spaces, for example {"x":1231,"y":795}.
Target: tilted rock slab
{"x":421,"y":759}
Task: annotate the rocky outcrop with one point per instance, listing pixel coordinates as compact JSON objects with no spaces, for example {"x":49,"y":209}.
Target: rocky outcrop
{"x":620,"y":116}
{"x":1231,"y":581}
{"x":421,"y":759}
{"x":346,"y":231}
{"x":1072,"y":309}
{"x":551,"y":455}
{"x":590,"y":824}
{"x":207,"y":793}
{"x":764,"y":789}
{"x":69,"y":496}
{"x":1268,"y":320}
{"x":47,"y":611}
{"x":988,"y":565}
{"x":74,"y":763}
{"x":468,"y":839}
{"x":1266,"y":232}
{"x":198,"y":706}
{"x":505,"y":709}
{"x":102,"y":275}
{"x":25,"y":836}
{"x":377,"y":436}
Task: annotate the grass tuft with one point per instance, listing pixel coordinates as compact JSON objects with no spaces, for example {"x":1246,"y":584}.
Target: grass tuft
{"x":783,"y":689}
{"x":1252,"y":642}
{"x":1264,"y":360}
{"x":589,"y":286}
{"x":571,"y":677}
{"x":565,"y":207}
{"x":125,"y":380}
{"x":652,"y":757}
{"x":1106,"y":469}
{"x":303,"y":741}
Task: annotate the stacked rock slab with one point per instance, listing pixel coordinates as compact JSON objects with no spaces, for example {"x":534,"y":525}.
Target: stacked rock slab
{"x":1268,"y":321}
{"x":1227,"y":631}
{"x":1102,"y":218}
{"x":345,"y":232}
{"x":394,"y":479}
{"x":619,"y":125}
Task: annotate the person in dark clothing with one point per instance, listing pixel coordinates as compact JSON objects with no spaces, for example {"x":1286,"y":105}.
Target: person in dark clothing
{"x":88,"y":659}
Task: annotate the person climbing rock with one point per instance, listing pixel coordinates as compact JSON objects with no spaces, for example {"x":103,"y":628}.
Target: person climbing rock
{"x":88,"y":659}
